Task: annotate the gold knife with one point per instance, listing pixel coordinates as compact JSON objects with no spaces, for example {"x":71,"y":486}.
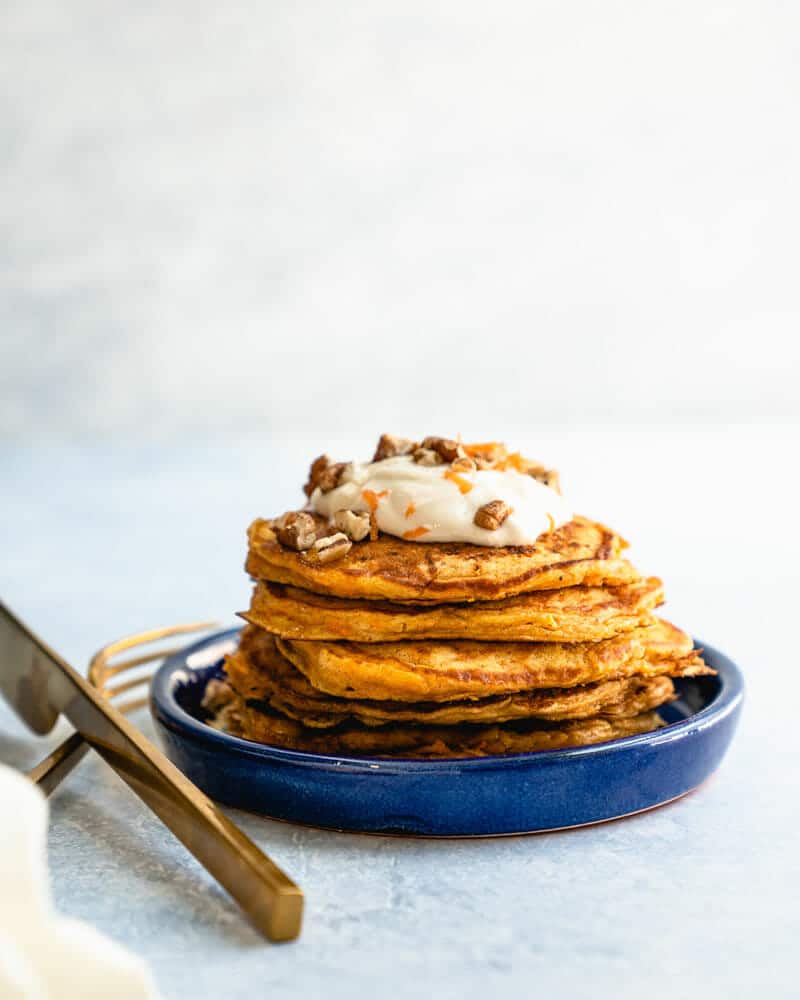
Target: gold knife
{"x":40,"y":686}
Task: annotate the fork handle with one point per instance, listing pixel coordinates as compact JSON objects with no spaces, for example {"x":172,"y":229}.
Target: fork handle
{"x":49,"y":773}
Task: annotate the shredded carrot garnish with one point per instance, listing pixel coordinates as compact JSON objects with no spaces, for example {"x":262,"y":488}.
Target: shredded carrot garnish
{"x":487,"y":448}
{"x":416,"y":532}
{"x":410,"y":510}
{"x":552,"y":527}
{"x":490,"y":454}
{"x":516,"y":461}
{"x":463,"y":484}
{"x":371,"y":498}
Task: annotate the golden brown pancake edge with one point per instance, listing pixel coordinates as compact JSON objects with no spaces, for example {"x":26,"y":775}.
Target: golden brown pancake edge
{"x":264,"y":726}
{"x":264,"y":677}
{"x":388,"y":568}
{"x":429,"y":670}
{"x":571,"y":614}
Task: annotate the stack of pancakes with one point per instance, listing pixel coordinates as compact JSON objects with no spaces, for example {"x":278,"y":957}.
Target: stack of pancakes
{"x":415,"y":649}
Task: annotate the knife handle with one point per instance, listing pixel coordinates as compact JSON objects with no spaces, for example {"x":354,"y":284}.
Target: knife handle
{"x":272,"y":901}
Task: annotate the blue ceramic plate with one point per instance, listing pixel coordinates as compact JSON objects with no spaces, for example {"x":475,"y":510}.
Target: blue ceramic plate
{"x":465,"y":797}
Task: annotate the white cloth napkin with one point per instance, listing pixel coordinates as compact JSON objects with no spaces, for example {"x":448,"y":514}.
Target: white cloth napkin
{"x":44,"y":956}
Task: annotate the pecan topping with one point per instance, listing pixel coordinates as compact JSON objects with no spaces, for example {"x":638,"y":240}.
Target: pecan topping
{"x":331,"y":476}
{"x":446,"y":447}
{"x":296,"y":530}
{"x":550,"y":478}
{"x":353,"y":524}
{"x":389,"y":446}
{"x":427,"y":456}
{"x":332,"y":547}
{"x":492,"y":514}
{"x":547,"y":476}
{"x":217,"y":695}
{"x":318,"y":466}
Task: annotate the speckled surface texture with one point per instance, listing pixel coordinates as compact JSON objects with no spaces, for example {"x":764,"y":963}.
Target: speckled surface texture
{"x":696,"y":899}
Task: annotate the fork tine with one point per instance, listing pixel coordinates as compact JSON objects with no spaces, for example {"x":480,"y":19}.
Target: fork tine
{"x":127,"y":665}
{"x":99,"y":663}
{"x":134,"y":703}
{"x":134,"y":661}
{"x":116,"y":689}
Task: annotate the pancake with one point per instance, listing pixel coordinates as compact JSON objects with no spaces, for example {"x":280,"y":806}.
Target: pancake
{"x":571,"y":614}
{"x":264,"y":726}
{"x":264,"y":678}
{"x":451,"y":671}
{"x":579,"y":553}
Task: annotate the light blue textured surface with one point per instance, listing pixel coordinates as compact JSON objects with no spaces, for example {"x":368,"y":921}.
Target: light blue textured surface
{"x":697,"y":899}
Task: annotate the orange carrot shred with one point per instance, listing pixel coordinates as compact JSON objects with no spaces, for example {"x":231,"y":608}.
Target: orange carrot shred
{"x":463,"y":484}
{"x":484,"y":448}
{"x":410,"y":510}
{"x":416,"y":532}
{"x":371,"y":498}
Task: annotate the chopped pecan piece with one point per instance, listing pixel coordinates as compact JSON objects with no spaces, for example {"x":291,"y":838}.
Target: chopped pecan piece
{"x":446,"y":447}
{"x":547,"y":476}
{"x":389,"y":446}
{"x":331,"y":476}
{"x":465,"y":464}
{"x":332,"y":547}
{"x":492,"y":514}
{"x":217,"y":695}
{"x":550,"y":478}
{"x":352,"y":523}
{"x":296,"y":530}
{"x":318,"y":466}
{"x":427,"y":456}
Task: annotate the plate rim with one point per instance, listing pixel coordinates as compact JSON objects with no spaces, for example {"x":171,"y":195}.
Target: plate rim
{"x":167,"y":712}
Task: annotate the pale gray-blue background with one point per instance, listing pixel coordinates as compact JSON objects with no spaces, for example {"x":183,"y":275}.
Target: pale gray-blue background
{"x":219,"y":219}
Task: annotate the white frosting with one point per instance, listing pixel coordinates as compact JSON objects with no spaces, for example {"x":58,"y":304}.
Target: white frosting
{"x":438,"y":503}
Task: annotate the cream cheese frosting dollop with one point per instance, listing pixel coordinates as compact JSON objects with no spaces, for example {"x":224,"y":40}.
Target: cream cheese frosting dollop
{"x":432,"y":503}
